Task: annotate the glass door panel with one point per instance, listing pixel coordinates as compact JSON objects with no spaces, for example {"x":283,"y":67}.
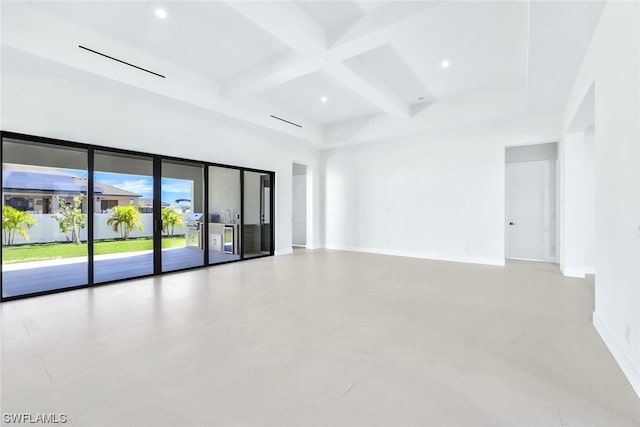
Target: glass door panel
{"x":257,"y":214}
{"x":123,"y":216}
{"x":44,"y":217}
{"x":182,"y":215}
{"x":224,"y":214}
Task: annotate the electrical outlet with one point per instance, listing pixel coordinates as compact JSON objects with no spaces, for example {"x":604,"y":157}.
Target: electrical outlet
{"x":627,"y":334}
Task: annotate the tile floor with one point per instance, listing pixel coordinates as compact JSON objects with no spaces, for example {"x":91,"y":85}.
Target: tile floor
{"x":318,"y":338}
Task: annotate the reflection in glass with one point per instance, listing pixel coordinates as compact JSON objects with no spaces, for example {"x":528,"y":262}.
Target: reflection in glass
{"x":224,"y":214}
{"x":123,"y":216}
{"x":182,"y":215}
{"x":44,"y":207}
{"x":257,"y":214}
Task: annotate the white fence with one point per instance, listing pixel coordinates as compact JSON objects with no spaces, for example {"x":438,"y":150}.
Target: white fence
{"x":47,"y":229}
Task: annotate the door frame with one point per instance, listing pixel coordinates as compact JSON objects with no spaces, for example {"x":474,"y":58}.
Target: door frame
{"x":546,"y":241}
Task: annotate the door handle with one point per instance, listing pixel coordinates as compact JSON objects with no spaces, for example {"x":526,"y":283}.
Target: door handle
{"x":512,"y":223}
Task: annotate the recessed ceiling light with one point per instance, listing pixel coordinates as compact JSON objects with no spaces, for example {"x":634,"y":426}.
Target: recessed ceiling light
{"x":445,"y":63}
{"x":161,"y":13}
{"x":324,"y":99}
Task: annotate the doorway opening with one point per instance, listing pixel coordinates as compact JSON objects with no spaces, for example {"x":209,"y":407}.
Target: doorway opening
{"x":299,"y":211}
{"x":531,"y":202}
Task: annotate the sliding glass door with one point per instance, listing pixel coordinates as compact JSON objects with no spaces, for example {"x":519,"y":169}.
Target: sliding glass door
{"x":256,"y":229}
{"x":77,"y":215}
{"x":44,"y":217}
{"x":122,"y":216}
{"x":182,"y":215}
{"x":224,"y":214}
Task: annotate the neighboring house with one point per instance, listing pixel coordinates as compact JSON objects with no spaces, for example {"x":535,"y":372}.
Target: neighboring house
{"x":146,"y":205}
{"x":36,"y":189}
{"x":109,"y":196}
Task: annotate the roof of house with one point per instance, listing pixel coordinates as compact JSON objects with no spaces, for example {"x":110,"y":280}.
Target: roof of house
{"x":108,"y":190}
{"x":14,"y":180}
{"x":41,"y":178}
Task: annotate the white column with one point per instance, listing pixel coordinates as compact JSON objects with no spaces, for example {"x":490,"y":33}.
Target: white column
{"x":572,"y":205}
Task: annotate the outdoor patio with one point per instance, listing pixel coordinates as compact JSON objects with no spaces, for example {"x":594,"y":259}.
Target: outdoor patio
{"x":58,"y":275}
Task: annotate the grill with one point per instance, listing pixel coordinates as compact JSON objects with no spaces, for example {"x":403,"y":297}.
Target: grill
{"x":194,"y":226}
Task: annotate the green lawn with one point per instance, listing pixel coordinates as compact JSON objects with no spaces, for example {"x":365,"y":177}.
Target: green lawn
{"x":44,"y":251}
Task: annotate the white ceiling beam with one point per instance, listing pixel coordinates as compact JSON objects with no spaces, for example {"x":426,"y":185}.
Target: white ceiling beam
{"x":370,"y":88}
{"x":271,"y":73}
{"x":293,"y":27}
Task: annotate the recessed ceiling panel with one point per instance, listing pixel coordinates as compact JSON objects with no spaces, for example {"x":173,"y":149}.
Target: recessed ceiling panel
{"x":396,"y":74}
{"x":303,"y":96}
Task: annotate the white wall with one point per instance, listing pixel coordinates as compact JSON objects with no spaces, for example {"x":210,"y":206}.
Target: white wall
{"x":224,"y":192}
{"x":431,"y":196}
{"x":42,"y":98}
{"x":612,"y":66}
{"x":299,"y":209}
{"x":589,"y":202}
{"x":572,"y":218}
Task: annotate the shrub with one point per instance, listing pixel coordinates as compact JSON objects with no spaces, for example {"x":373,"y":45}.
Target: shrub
{"x":170,"y":220}
{"x":125,"y":219}
{"x":14,"y":221}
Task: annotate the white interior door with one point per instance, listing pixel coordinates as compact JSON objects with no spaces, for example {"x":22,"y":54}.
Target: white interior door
{"x":525,"y":209}
{"x":299,"y":213}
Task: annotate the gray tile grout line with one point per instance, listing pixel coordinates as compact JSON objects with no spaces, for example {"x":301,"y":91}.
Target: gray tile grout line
{"x":25,"y":328}
{"x":349,"y":389}
{"x":45,"y":368}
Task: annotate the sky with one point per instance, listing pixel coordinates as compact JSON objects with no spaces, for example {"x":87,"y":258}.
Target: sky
{"x":172,"y":189}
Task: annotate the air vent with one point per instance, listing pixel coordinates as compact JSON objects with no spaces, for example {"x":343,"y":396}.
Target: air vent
{"x":286,"y":121}
{"x":120,"y":61}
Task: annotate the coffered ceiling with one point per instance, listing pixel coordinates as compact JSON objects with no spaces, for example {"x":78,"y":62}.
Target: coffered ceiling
{"x":340,"y":71}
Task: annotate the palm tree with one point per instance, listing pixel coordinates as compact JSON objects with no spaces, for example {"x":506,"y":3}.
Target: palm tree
{"x":14,"y":221}
{"x":170,"y":220}
{"x":125,"y":219}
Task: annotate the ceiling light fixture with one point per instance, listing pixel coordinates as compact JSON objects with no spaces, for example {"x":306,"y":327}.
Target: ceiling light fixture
{"x":324,"y":99}
{"x":161,"y":13}
{"x":445,"y":63}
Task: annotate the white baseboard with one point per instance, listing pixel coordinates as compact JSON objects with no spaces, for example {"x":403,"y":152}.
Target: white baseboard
{"x":618,"y":354}
{"x":284,"y":252}
{"x":572,"y":272}
{"x":421,"y":255}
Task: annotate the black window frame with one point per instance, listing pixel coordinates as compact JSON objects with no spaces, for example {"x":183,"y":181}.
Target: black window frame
{"x":157,"y":159}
